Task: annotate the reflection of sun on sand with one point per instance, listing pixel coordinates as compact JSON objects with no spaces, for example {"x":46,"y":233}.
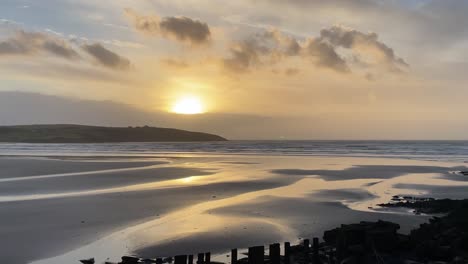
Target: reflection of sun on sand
{"x":196,"y":220}
{"x":185,"y":221}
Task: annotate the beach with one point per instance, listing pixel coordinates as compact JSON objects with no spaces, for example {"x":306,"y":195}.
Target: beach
{"x":59,"y":205}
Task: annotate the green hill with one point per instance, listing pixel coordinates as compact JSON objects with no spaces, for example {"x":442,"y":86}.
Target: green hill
{"x":97,"y":134}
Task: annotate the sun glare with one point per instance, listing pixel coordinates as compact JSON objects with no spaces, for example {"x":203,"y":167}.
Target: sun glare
{"x":188,"y":106}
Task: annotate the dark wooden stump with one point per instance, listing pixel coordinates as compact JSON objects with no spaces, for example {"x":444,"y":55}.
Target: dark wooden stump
{"x":201,"y":258}
{"x":306,"y":243}
{"x":207,"y":257}
{"x":315,"y":247}
{"x":234,"y":256}
{"x":180,"y":259}
{"x":287,"y":252}
{"x":275,"y":254}
{"x":256,"y":255}
{"x":306,"y":250}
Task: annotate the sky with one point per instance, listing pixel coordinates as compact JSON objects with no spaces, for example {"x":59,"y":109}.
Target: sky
{"x":258,"y":69}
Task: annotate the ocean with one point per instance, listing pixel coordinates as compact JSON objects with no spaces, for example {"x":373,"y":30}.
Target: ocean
{"x":456,"y":151}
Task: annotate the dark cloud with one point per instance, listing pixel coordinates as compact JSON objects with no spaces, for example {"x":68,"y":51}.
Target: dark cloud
{"x":245,"y":55}
{"x":182,"y":29}
{"x":106,"y":57}
{"x":24,"y":43}
{"x":60,"y":49}
{"x":31,"y":43}
{"x":185,"y":29}
{"x":324,"y":55}
{"x":273,"y":46}
{"x":353,"y":39}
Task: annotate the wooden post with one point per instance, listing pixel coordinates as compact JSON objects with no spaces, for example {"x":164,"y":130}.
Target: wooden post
{"x":180,"y":259}
{"x":234,"y":256}
{"x":306,"y":243}
{"x":256,"y":255}
{"x":315,"y":246}
{"x":200,"y":258}
{"x":287,"y":252}
{"x":130,"y":260}
{"x":207,"y":257}
{"x":159,"y":261}
{"x":190,"y":259}
{"x":275,"y":254}
{"x":306,"y":250}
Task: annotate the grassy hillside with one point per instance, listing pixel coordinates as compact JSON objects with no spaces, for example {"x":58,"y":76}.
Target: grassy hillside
{"x":95,"y":134}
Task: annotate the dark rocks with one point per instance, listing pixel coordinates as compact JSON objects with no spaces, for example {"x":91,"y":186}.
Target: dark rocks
{"x":87,"y":261}
{"x":424,"y":205}
{"x":129,"y":260}
{"x":442,"y":240}
{"x":356,"y":241}
{"x":148,"y":261}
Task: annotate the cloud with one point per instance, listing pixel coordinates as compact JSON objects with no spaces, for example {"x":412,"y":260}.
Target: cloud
{"x":32,"y":43}
{"x":269,"y":46}
{"x":24,"y":43}
{"x":182,"y":29}
{"x":352,"y":39}
{"x":244,"y":55}
{"x":185,"y":29}
{"x":106,"y":57}
{"x":324,"y":55}
{"x":325,"y":51}
{"x":272,"y":46}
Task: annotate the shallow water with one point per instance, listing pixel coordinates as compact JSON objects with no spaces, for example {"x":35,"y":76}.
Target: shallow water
{"x":421,"y":150}
{"x":60,"y":203}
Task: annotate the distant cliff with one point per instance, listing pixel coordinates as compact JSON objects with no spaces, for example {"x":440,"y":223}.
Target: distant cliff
{"x":97,"y":134}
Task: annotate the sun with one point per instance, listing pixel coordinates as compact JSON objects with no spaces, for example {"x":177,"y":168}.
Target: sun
{"x":188,"y":105}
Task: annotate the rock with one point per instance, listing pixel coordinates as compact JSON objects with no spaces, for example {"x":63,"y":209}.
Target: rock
{"x":355,"y":240}
{"x":168,"y":260}
{"x":129,"y":260}
{"x":148,"y":260}
{"x":87,"y":261}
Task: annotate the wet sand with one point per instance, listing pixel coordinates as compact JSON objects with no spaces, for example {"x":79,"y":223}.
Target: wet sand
{"x":58,"y":210}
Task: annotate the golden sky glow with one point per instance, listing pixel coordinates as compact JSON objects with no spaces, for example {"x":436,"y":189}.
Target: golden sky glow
{"x":260,"y":69}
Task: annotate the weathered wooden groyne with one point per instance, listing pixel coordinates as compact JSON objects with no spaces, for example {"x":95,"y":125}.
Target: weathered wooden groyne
{"x":302,"y":253}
